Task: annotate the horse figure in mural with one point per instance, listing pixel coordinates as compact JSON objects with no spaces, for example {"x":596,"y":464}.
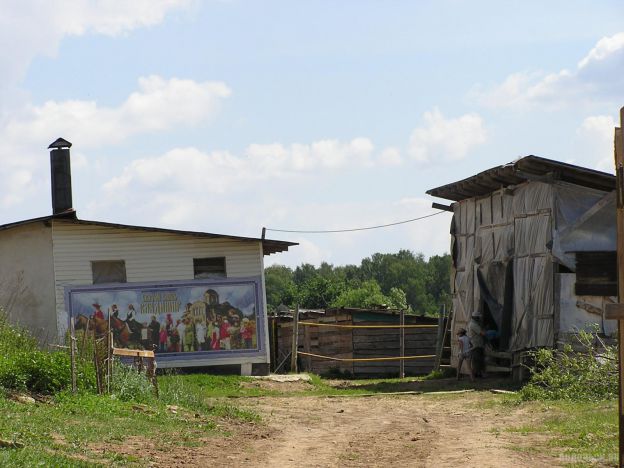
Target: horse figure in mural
{"x":100,"y":326}
{"x":123,"y":333}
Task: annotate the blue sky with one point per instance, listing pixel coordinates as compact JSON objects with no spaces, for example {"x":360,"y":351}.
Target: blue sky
{"x":227,"y":116}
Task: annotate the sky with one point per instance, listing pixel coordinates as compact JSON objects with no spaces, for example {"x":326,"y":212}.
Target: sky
{"x":228,"y":116}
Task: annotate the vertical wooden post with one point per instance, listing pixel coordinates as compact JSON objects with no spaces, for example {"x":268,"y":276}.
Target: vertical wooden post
{"x":440,"y":338}
{"x":295,"y":339}
{"x":402,"y":344}
{"x":72,"y":353}
{"x":96,"y":362}
{"x":307,"y":343}
{"x":273,"y":340}
{"x":84,"y":338}
{"x":619,"y":172}
{"x":109,"y":354}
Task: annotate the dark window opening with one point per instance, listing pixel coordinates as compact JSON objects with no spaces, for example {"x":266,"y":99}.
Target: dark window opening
{"x":109,"y":271}
{"x":596,"y":273}
{"x":213,"y":267}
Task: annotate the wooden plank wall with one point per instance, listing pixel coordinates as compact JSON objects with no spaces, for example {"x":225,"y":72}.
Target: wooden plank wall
{"x":360,"y":343}
{"x":326,"y":341}
{"x":370,"y":342}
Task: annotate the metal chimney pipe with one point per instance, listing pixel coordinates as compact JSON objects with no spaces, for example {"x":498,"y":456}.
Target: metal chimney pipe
{"x":61,"y":176}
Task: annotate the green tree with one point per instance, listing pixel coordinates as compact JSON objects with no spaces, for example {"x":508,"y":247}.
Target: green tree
{"x":280,"y":286}
{"x":368,"y":294}
{"x":424,"y":284}
{"x":319,"y":292}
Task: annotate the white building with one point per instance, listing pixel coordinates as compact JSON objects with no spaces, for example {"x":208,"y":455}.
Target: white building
{"x":42,"y":258}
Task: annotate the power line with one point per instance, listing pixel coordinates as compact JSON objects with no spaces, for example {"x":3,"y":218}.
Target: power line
{"x":356,"y":229}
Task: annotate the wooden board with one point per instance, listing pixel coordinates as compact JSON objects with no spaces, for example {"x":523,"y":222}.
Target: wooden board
{"x":133,"y":352}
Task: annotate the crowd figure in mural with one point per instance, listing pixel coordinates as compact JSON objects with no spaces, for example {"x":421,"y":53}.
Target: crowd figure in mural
{"x":206,"y":325}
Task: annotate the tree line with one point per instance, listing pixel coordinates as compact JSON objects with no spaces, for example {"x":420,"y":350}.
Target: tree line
{"x":403,"y":280}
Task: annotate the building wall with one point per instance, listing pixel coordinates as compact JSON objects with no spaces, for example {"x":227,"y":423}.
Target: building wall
{"x":149,"y":256}
{"x":582,"y":312}
{"x":27,"y":279}
{"x":535,"y":225}
{"x":492,"y":230}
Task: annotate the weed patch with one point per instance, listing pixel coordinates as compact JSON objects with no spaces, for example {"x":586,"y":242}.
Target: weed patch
{"x":580,"y":433}
{"x":585,"y":375}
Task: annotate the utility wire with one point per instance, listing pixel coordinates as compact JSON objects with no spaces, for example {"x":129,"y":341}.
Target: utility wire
{"x":358,"y":229}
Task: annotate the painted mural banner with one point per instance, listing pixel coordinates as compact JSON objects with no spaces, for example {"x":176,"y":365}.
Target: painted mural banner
{"x":189,"y":318}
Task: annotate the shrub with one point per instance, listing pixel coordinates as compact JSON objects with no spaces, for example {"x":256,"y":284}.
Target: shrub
{"x":130,"y":385}
{"x":24,"y":367}
{"x":588,"y":374}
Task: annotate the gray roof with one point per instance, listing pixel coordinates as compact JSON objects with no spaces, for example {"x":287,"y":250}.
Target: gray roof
{"x":269,"y":246}
{"x":522,"y":170}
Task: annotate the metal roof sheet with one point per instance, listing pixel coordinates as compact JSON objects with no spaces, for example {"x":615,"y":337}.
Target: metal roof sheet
{"x":522,"y":170}
{"x":269,"y":246}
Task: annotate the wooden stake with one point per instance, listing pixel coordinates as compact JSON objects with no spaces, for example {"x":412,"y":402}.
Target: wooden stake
{"x":619,"y":172}
{"x":109,"y":354}
{"x":295,"y":339}
{"x":84,"y":338}
{"x":402,"y":344}
{"x":307,"y":345}
{"x":440,"y":338}
{"x":96,"y":362}
{"x":72,"y":353}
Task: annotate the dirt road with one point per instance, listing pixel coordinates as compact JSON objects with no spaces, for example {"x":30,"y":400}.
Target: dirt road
{"x":425,"y":430}
{"x":417,"y":430}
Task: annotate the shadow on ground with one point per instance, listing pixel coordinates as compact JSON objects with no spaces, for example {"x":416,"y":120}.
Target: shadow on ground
{"x":432,"y":385}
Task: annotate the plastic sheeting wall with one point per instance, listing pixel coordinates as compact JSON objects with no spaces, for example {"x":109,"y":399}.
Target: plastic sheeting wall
{"x":505,"y":249}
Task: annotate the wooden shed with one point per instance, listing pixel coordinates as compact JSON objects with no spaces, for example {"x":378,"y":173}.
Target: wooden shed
{"x":355,"y":343}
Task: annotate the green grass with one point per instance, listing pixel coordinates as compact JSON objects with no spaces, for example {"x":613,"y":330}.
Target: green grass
{"x":580,"y":433}
{"x":65,"y":431}
{"x":62,"y":433}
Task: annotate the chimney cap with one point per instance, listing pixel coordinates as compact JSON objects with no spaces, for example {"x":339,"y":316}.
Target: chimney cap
{"x":60,"y":143}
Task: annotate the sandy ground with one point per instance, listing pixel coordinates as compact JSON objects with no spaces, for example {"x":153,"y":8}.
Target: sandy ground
{"x":459,"y":429}
{"x":416,"y":430}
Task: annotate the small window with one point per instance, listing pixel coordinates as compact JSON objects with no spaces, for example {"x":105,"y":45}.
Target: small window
{"x":213,"y":267}
{"x":109,"y":271}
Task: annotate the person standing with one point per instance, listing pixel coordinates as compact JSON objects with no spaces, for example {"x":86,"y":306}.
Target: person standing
{"x":224,"y":333}
{"x":247,"y":333}
{"x":154,"y":333}
{"x":181,"y":329}
{"x":464,"y":350}
{"x":189,"y":334}
{"x":200,"y":334}
{"x":98,"y":313}
{"x":477,"y":341}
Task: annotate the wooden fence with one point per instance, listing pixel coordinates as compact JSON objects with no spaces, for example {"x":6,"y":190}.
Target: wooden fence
{"x":364,"y":341}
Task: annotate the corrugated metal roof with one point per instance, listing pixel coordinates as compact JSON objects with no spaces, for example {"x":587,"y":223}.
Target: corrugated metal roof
{"x":522,"y":170}
{"x":269,"y":246}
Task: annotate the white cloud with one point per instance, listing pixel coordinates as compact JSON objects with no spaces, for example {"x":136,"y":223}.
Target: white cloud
{"x":17,"y":185}
{"x":391,"y":157}
{"x":220,"y":171}
{"x":158,"y":105}
{"x":442,"y":139}
{"x":594,"y":143}
{"x":598,"y":77}
{"x":186,"y":201}
{"x":35,"y":28}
